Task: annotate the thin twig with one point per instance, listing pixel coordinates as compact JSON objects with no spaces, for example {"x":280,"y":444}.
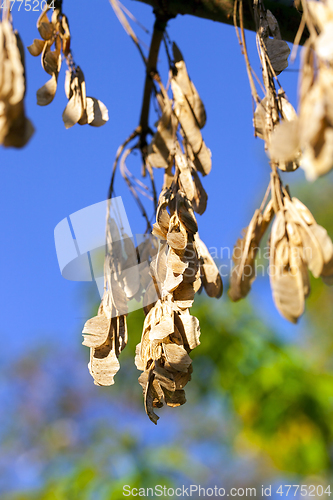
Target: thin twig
{"x":248,"y":65}
{"x":151,"y":74}
{"x":126,"y":153}
{"x":116,"y":5}
{"x":121,"y":148}
{"x":236,"y":26}
{"x":141,"y":187}
{"x":143,"y":129}
{"x":263,"y":49}
{"x":157,"y":37}
{"x":153,"y":187}
{"x":263,"y":203}
{"x":298,"y":38}
{"x":165,"y":41}
{"x":134,"y":19}
{"x":259,"y":82}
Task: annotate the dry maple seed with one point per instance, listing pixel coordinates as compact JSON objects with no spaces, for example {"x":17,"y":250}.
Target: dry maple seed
{"x":56,"y":34}
{"x":15,"y":128}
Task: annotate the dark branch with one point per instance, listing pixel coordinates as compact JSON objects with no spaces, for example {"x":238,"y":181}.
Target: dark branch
{"x":159,"y":27}
{"x":222,"y":11}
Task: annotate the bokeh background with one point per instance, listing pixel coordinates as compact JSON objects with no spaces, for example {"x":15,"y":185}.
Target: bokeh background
{"x":259,"y":407}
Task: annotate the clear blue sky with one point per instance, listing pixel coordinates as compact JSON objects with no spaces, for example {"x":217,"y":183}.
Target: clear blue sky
{"x":62,"y":171}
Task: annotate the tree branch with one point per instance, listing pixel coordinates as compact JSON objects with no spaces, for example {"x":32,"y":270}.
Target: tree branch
{"x":159,"y":27}
{"x":222,"y":11}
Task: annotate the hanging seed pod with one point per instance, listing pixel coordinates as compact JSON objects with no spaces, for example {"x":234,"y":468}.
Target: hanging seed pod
{"x":15,"y":128}
{"x":245,"y":251}
{"x":80,"y":108}
{"x":297,"y":243}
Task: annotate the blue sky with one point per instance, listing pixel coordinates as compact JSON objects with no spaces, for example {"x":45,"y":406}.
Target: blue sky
{"x":62,"y":171}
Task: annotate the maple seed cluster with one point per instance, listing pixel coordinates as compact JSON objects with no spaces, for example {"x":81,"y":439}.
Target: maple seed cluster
{"x":80,"y":108}
{"x":297,"y":242}
{"x":183,"y":264}
{"x":106,"y":333}
{"x":311,"y":131}
{"x":171,"y":263}
{"x":15,"y":128}
{"x":180,"y":264}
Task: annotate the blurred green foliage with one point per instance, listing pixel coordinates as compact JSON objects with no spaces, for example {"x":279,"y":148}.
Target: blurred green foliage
{"x":283,"y":400}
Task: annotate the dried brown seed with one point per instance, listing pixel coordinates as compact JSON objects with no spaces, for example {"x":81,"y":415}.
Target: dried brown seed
{"x":177,"y":357}
{"x":245,"y":250}
{"x":177,"y":236}
{"x":36,"y":48}
{"x":188,"y":88}
{"x":96,"y":331}
{"x":210,"y":275}
{"x":192,"y":329}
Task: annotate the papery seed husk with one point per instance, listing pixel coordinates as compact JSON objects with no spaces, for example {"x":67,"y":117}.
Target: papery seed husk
{"x":176,"y":261}
{"x":73,"y":111}
{"x":285,"y":141}
{"x":138,"y":360}
{"x":278,"y":53}
{"x":118,"y":296}
{"x":177,"y":356}
{"x":210,"y":275}
{"x":324,"y":43}
{"x":164,"y":328}
{"x":288,"y":296}
{"x":188,"y":87}
{"x":199,"y":201}
{"x":66,"y":38}
{"x":176,"y":398}
{"x":159,"y":264}
{"x":177,"y":236}
{"x":120,"y":332}
{"x":20,"y":131}
{"x":185,"y":214}
{"x":46,"y":30}
{"x":163,"y":217}
{"x":243,"y":273}
{"x":186,"y":118}
{"x":146,"y":381}
{"x":96,"y":331}
{"x":192,"y":329}
{"x":181,"y":378}
{"x":51,"y":61}
{"x":303,"y":211}
{"x":186,"y":181}
{"x":45,"y":94}
{"x":318,"y":12}
{"x":97,"y":112}
{"x":203,"y":160}
{"x":163,"y":142}
{"x":165,"y":378}
{"x":159,"y":231}
{"x":103,"y":366}
{"x":36,"y":48}
{"x":172,"y":281}
{"x":184,"y":295}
